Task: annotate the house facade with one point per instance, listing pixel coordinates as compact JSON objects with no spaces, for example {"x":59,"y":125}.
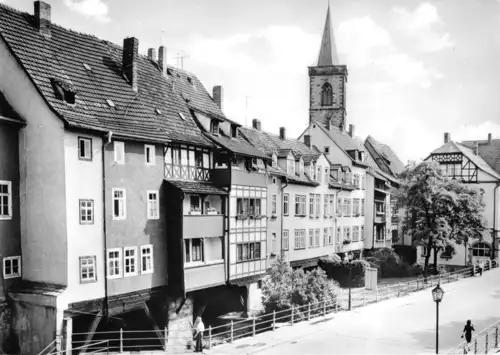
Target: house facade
{"x":463,"y":161}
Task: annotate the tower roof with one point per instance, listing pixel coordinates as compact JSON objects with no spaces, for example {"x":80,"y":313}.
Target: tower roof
{"x":328,"y":50}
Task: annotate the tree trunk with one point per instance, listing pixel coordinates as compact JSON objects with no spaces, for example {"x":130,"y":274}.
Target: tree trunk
{"x":435,"y":250}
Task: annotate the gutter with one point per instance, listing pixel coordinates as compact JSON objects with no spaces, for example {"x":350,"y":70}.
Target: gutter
{"x":282,"y":215}
{"x":494,"y":220}
{"x":106,"y":299}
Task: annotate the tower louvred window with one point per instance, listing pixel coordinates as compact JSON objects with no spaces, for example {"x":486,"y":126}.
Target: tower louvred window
{"x":326,"y":95}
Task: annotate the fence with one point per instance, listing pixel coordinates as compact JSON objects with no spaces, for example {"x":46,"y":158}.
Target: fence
{"x":122,"y":340}
{"x":482,"y":343}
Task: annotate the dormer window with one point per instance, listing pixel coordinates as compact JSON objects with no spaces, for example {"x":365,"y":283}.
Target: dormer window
{"x":64,"y":90}
{"x":290,"y":168}
{"x":234,"y":131}
{"x":215,"y":127}
{"x":301,"y":167}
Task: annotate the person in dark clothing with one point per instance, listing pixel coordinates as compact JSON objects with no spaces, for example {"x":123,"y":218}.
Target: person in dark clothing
{"x":468,"y":329}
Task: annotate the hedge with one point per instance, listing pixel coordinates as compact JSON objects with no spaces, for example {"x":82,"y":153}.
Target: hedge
{"x":339,"y":271}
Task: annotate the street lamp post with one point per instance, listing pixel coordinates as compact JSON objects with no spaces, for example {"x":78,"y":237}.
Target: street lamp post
{"x":347,"y":259}
{"x":437,"y":295}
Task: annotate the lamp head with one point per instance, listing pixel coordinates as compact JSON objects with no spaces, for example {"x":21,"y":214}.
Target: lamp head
{"x":437,"y":294}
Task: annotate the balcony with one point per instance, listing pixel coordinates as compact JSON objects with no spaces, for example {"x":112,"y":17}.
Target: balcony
{"x":380,"y":217}
{"x":199,"y":226}
{"x":204,"y":275}
{"x":238,"y":176}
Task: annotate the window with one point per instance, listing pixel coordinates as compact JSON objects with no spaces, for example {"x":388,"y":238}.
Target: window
{"x":326,"y":206}
{"x":311,"y":205}
{"x":248,"y":207}
{"x":300,"y":205}
{"x":344,"y":207}
{"x":318,"y":174}
{"x":286,"y":201}
{"x":274,"y":181}
{"x":327,"y":150}
{"x":339,"y":206}
{"x":355,"y":207}
{"x":273,"y":243}
{"x":114,"y":263}
{"x":331,"y":199}
{"x":327,"y":175}
{"x":274,"y":163}
{"x":11,"y":267}
{"x":290,"y":166}
{"x":119,"y":148}
{"x":318,"y":205}
{"x":234,"y":131}
{"x":347,"y":233}
{"x":362,"y":207}
{"x":326,"y":95}
{"x":348,"y":207}
{"x":147,"y":265}
{"x":215,"y":127}
{"x":285,"y":239}
{"x":481,"y":249}
{"x":355,"y":234}
{"x":337,"y":235}
{"x":362,"y":232}
{"x":150,"y":154}
{"x":153,"y":205}
{"x":330,"y":236}
{"x":86,"y":211}
{"x":363,"y":185}
{"x":300,"y":239}
{"x":273,"y":204}
{"x":119,"y":204}
{"x":130,"y":261}
{"x":247,"y":251}
{"x":87,"y":269}
{"x":317,"y":234}
{"x":325,"y":236}
{"x":311,"y":238}
{"x":5,"y":200}
{"x":194,"y":203}
{"x":194,"y":250}
{"x":84,"y":148}
{"x":357,"y":184}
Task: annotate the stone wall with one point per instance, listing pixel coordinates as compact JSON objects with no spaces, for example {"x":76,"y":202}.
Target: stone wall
{"x":180,"y":320}
{"x":5,"y":322}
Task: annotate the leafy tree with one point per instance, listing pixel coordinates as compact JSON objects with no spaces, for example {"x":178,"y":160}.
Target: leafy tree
{"x":440,"y":211}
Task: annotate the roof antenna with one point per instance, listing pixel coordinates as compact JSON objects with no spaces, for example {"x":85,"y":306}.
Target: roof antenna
{"x":181,"y":58}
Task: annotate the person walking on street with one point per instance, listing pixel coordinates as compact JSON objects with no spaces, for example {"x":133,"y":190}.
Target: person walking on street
{"x":199,"y":328}
{"x":468,"y":329}
{"x":480,"y":264}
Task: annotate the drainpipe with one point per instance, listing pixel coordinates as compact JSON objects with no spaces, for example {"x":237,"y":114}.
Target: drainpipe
{"x":494,"y":219}
{"x":106,"y":141}
{"x":282,"y":216}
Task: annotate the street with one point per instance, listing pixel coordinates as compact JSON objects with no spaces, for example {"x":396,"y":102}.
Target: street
{"x":398,"y":326}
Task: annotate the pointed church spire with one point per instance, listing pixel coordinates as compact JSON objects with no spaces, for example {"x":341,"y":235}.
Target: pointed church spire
{"x":328,"y":49}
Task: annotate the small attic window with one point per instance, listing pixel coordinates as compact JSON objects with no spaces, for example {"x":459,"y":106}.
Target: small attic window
{"x":189,"y":80}
{"x":110,"y":103}
{"x":158,"y":111}
{"x":86,"y":66}
{"x":234,"y":131}
{"x":64,"y":90}
{"x":169,"y":72}
{"x":181,"y":115}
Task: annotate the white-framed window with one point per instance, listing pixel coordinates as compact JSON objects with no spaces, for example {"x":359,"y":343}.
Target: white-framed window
{"x":363,"y":179}
{"x":327,"y":175}
{"x":153,"y":205}
{"x":356,"y":181}
{"x":338,"y":234}
{"x":340,"y":207}
{"x":318,"y":205}
{"x":362,"y":232}
{"x":273,"y":204}
{"x":317,"y":236}
{"x":150,"y":154}
{"x":311,"y":204}
{"x":130,"y":261}
{"x":326,"y":206}
{"x":355,"y":234}
{"x":119,"y":203}
{"x":273,"y":243}
{"x":300,"y":205}
{"x":311,"y":238}
{"x":286,"y":239}
{"x":86,"y":211}
{"x":300,"y":239}
{"x":5,"y":199}
{"x":355,"y":206}
{"x":84,"y":148}
{"x":362,"y":207}
{"x":286,"y":204}
{"x":325,"y":236}
{"x":319,"y":174}
{"x":347,"y":233}
{"x":114,"y":260}
{"x":87,"y":269}
{"x":11,"y":267}
{"x":147,"y":261}
{"x":331,"y":200}
{"x":119,"y":148}
{"x":194,"y":250}
{"x":349,"y":207}
{"x":330,"y":236}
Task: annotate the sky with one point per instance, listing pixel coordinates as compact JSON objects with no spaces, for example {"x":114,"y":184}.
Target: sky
{"x":416,"y":68}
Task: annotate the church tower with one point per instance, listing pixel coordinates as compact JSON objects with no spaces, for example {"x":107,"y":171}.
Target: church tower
{"x":327,"y":82}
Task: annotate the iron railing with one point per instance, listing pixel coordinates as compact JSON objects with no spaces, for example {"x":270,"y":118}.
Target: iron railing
{"x":484,"y":342}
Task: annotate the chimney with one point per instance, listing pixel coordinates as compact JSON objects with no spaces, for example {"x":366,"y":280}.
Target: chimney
{"x":130,"y":56}
{"x":476,"y":148}
{"x":489,"y":138}
{"x":307,"y":140}
{"x":256,"y":124}
{"x":218,"y":96}
{"x":42,"y":17}
{"x":351,"y":130}
{"x":282,"y":133}
{"x":152,"y":54}
{"x":162,"y":59}
{"x":447,"y":137}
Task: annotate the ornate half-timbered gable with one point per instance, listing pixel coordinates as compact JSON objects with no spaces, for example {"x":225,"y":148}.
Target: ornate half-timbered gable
{"x":457,"y":166}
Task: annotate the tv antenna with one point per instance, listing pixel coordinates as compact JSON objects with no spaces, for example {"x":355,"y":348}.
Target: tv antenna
{"x":180,"y":58}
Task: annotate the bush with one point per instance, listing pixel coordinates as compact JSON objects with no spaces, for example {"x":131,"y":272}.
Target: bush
{"x":389,"y":264}
{"x":284,"y":287}
{"x":339,"y":271}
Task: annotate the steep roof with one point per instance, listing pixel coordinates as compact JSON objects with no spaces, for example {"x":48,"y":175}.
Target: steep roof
{"x":383,"y":155}
{"x":489,"y":152}
{"x":63,"y":57}
{"x":454,"y":147}
{"x":328,"y":50}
